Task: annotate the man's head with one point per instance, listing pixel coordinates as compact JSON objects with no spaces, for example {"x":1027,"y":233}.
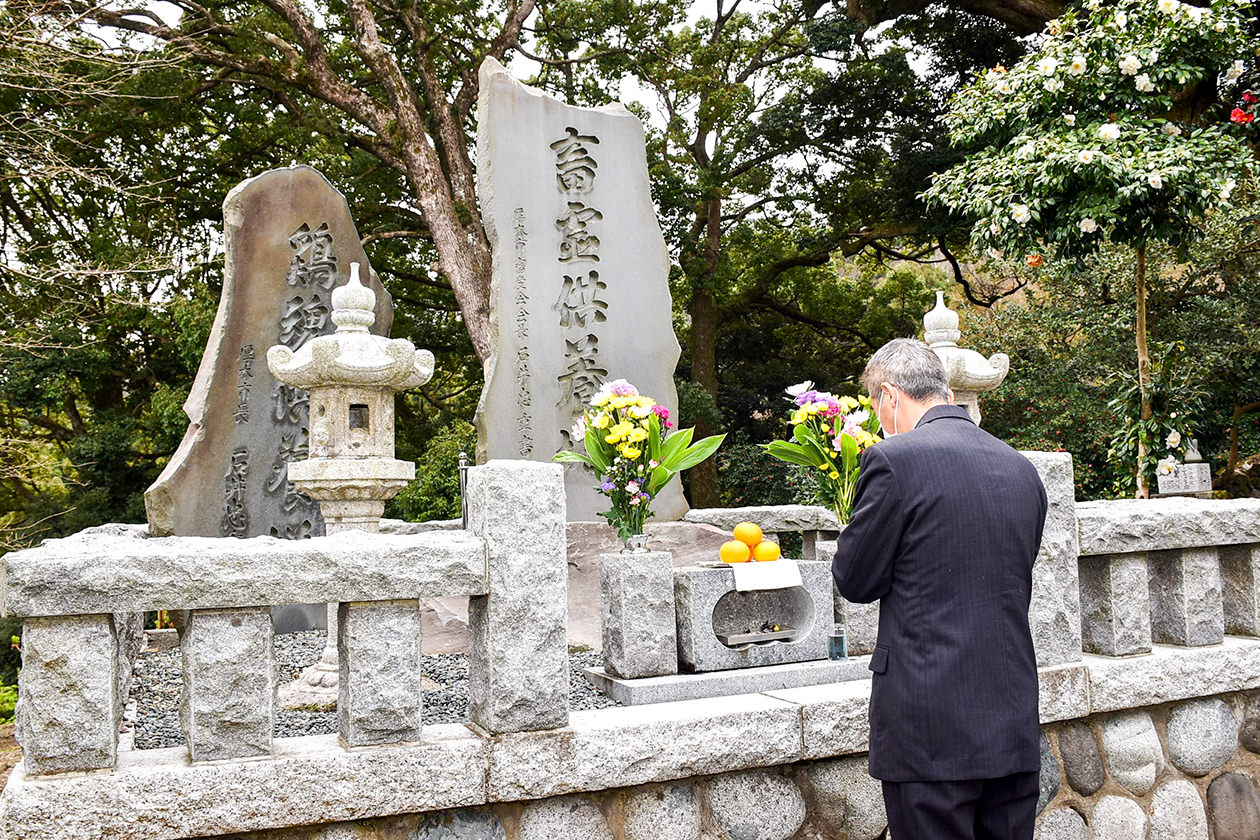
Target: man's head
{"x":905,"y":378}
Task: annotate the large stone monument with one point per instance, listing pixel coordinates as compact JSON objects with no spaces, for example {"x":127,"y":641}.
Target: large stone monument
{"x":580,"y":290}
{"x":288,"y":236}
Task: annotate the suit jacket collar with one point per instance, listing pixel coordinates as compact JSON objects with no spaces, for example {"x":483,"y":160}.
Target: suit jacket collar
{"x":943,"y":412}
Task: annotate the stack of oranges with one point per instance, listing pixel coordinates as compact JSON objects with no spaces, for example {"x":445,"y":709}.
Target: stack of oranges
{"x":749,"y":544}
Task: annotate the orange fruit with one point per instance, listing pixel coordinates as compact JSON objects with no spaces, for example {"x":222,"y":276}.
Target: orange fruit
{"x":748,"y":533}
{"x":766,"y":551}
{"x":734,"y":551}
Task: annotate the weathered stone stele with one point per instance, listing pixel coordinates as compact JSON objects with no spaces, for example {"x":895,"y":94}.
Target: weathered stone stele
{"x":289,"y":238}
{"x":580,"y":291}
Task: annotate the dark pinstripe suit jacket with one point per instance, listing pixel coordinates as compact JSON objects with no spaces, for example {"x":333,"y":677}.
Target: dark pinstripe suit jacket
{"x":946,"y":525}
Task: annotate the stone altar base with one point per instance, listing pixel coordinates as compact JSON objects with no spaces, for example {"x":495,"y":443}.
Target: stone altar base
{"x":726,"y":683}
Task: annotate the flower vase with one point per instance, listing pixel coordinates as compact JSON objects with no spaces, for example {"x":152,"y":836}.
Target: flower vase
{"x":636,"y":544}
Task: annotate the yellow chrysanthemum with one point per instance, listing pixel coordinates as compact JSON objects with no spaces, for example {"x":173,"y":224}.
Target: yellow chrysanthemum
{"x":847,"y":404}
{"x":834,"y":474}
{"x":601,"y":420}
{"x":630,"y":453}
{"x":798,"y":416}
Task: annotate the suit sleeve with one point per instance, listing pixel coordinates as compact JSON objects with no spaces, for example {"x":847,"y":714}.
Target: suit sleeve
{"x":863,"y":564}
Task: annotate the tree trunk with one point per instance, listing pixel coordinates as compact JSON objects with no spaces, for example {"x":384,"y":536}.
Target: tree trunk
{"x":704,"y":327}
{"x":1144,"y":372}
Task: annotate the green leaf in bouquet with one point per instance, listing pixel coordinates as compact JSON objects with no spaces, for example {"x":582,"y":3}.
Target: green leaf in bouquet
{"x":697,"y":452}
{"x":595,"y":448}
{"x":570,"y":457}
{"x":654,"y":438}
{"x":660,"y":477}
{"x":848,"y":452}
{"x":674,"y":446}
{"x":790,"y":452}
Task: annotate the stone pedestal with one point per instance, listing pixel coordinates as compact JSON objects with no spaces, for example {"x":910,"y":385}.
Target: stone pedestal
{"x":1186,"y":604}
{"x":707,"y":603}
{"x":228,"y":706}
{"x":1115,"y":604}
{"x":380,"y":700}
{"x":640,"y":638}
{"x":67,"y":716}
{"x":1240,"y":580}
{"x":1054,"y":615}
{"x":518,"y":662}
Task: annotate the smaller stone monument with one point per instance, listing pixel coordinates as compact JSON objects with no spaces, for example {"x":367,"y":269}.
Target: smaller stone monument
{"x":969,"y":372}
{"x":1193,"y":477}
{"x":352,"y":376}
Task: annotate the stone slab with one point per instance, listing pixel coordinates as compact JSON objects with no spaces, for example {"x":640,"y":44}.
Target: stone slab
{"x":834,"y":718}
{"x":1054,"y":615}
{"x":68,"y":708}
{"x":620,"y":747}
{"x":102,"y":573}
{"x":289,"y":240}
{"x":1124,"y":526}
{"x":1186,"y":480}
{"x":1186,"y":601}
{"x":1172,"y":673}
{"x":707,"y":603}
{"x":1115,"y":604}
{"x":579,"y":290}
{"x":772,"y":519}
{"x":379,"y":700}
{"x":157,"y":795}
{"x":667,"y":689}
{"x":640,"y":631}
{"x":1063,"y":692}
{"x":518,"y":659}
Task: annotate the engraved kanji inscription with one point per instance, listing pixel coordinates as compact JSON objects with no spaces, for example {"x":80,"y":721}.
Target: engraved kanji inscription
{"x":577,"y":242}
{"x":235,"y":515}
{"x":244,"y":377}
{"x":313,"y":262}
{"x":582,"y":373}
{"x":575,"y":166}
{"x":581,"y":300}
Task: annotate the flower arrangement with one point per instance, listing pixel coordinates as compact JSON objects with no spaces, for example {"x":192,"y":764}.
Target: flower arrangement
{"x":829,"y":434}
{"x":628,"y":445}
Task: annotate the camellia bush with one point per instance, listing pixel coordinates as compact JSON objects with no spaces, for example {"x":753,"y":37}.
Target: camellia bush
{"x":1113,"y":129}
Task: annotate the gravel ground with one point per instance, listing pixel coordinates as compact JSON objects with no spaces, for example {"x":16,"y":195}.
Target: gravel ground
{"x":158,"y":681}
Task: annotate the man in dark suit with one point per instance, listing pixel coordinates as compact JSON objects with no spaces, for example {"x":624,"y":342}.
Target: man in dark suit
{"x":945,"y":527}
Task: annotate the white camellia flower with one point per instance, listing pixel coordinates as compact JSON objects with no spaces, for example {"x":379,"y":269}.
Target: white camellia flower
{"x":1166,"y":466}
{"x":1235,"y":70}
{"x":1020,"y":213}
{"x":1087,"y":225}
{"x":1130,"y":64}
{"x":1154,"y":180}
{"x":1005,"y":87}
{"x":1152,"y":56}
{"x":1168,"y":7}
{"x":1078,"y":65}
{"x":1047,"y":66}
{"x":1026,"y":151}
{"x":1171,"y":129}
{"x":1093,"y":4}
{"x":1220,"y":26}
{"x":1122,"y":20}
{"x":1174,"y":439}
{"x":1053,"y":85}
{"x":1085,"y":156}
{"x":1228,"y":189}
{"x":1109,"y":131}
{"x":1195,"y":13}
{"x":994,"y":229}
{"x":1144,"y":83}
{"x":1070,"y":119}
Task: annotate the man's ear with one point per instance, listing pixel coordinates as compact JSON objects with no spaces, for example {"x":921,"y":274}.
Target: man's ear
{"x":951,"y":396}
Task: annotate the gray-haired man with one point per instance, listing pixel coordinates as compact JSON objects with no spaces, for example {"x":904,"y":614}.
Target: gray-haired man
{"x":946,"y":525}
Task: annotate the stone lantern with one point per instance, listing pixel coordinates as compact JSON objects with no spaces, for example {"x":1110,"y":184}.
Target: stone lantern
{"x":969,"y":372}
{"x":352,"y":376}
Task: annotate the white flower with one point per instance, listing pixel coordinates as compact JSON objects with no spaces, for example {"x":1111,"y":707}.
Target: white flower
{"x":1070,"y":119}
{"x":1235,"y":70}
{"x":1005,"y":87}
{"x":1171,"y":129}
{"x":640,"y":411}
{"x":1026,"y":151}
{"x":857,"y":418}
{"x":1144,"y":83}
{"x":1130,"y":64}
{"x":1093,"y":4}
{"x":1152,"y":56}
{"x":1020,"y":213}
{"x":1166,"y":466}
{"x":1122,"y":20}
{"x":1195,"y":13}
{"x":1078,"y":65}
{"x":1109,"y":131}
{"x":799,"y":388}
{"x":1174,"y":439}
{"x":632,"y":487}
{"x":994,"y":229}
{"x":1228,"y":189}
{"x":578,"y":431}
{"x":1085,"y":156}
{"x":1053,"y":85}
{"x":995,"y":253}
{"x":1220,"y":26}
{"x":1047,"y":66}
{"x":1054,"y":27}
{"x":1154,"y":180}
{"x":1087,"y":225}
{"x":1168,"y":7}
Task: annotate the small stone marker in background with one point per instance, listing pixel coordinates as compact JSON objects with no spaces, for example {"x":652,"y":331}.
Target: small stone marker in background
{"x":580,"y":293}
{"x":289,"y":236}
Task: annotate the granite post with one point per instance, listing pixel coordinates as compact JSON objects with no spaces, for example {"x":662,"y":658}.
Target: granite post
{"x":228,"y":706}
{"x":1240,"y":579}
{"x":580,"y":280}
{"x":518,"y":661}
{"x":67,"y":714}
{"x":637,"y":595}
{"x":378,"y":651}
{"x":1115,"y":604}
{"x":1186,"y":601}
{"x":1055,"y":612}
